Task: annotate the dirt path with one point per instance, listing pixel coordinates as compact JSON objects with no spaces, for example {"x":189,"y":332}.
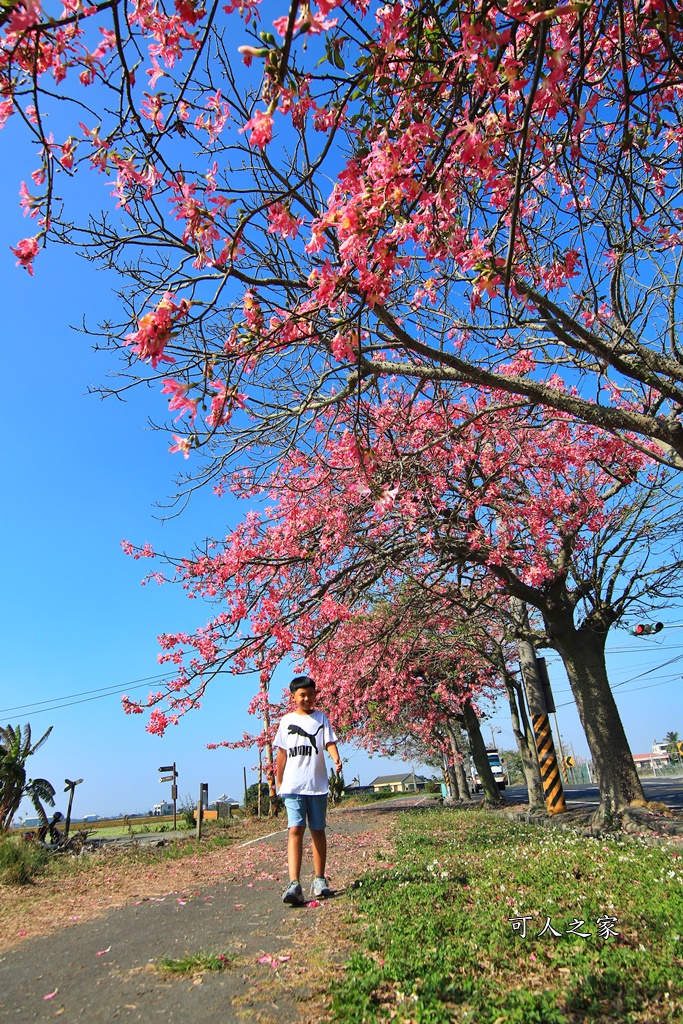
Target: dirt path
{"x":97,"y":964}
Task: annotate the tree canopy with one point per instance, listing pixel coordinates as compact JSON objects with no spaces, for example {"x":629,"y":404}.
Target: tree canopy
{"x":460,"y":191}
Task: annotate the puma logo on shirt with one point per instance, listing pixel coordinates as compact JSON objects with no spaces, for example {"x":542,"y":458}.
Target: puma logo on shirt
{"x":303,"y":751}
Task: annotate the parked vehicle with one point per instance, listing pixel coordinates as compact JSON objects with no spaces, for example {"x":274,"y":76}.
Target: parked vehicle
{"x":496,"y":767}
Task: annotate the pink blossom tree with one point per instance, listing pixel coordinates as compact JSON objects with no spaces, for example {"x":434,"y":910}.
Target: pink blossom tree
{"x":481,"y":202}
{"x":396,"y":673}
{"x":309,"y":199}
{"x":545,"y":509}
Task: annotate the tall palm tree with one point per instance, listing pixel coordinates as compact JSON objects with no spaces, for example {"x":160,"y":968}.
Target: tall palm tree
{"x":671,"y":740}
{"x":16,"y":747}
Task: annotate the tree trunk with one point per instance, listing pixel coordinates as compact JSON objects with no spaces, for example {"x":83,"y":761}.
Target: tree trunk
{"x":525,"y":743}
{"x":492,"y":794}
{"x":270,"y":767}
{"x":462,"y":785}
{"x":450,"y":781}
{"x":583,"y":654}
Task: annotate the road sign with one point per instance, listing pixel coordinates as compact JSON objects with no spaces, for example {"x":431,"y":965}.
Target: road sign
{"x":679,"y":747}
{"x":167,"y":778}
{"x":167,"y":768}
{"x":569,"y":762}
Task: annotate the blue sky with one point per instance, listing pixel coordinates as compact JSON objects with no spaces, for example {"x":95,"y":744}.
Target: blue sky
{"x":80,"y":475}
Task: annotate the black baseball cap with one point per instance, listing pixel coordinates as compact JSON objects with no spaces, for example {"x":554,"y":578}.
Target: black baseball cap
{"x":302,"y":683}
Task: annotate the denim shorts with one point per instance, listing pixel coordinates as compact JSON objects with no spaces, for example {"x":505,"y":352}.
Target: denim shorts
{"x":301,"y":806}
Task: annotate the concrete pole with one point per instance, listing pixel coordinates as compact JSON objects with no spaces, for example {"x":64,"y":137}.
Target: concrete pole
{"x":260,"y":782}
{"x":545,"y":748}
{"x":565,"y":770}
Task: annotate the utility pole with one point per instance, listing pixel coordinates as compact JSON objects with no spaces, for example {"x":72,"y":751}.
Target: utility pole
{"x":260,"y":781}
{"x":563,"y":760}
{"x":245,"y":792}
{"x":538,"y":708}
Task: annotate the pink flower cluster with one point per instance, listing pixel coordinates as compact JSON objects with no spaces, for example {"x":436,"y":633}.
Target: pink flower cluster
{"x":155,"y":329}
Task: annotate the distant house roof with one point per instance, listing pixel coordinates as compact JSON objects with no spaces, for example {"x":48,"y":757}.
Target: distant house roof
{"x":387,"y":780}
{"x":650,"y":757}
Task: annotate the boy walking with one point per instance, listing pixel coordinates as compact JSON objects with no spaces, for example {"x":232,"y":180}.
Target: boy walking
{"x":302,"y":739}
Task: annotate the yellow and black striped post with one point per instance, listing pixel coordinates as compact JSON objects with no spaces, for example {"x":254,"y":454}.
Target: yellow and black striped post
{"x":564,"y":770}
{"x":538,"y":708}
{"x":550,"y":768}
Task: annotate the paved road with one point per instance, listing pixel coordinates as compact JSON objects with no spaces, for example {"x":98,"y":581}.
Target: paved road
{"x":100,"y":971}
{"x":669,"y":790}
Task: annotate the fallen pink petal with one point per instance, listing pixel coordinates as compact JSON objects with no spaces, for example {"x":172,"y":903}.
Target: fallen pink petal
{"x":101,"y":952}
{"x":51,"y":995}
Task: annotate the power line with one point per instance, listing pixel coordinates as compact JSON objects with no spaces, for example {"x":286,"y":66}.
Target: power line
{"x":663,"y":682}
{"x":635,"y":689}
{"x":649,"y":671}
{"x":159,"y":677}
{"x":86,"y":700}
{"x":640,"y":675}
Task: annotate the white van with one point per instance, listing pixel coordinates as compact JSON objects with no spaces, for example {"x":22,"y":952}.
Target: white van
{"x":496,"y":768}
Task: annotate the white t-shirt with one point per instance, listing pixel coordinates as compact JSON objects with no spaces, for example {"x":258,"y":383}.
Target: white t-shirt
{"x":304,"y":737}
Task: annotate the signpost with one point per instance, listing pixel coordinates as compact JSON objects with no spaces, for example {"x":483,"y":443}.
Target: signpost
{"x":69,"y":788}
{"x":174,"y":788}
{"x":201,"y":804}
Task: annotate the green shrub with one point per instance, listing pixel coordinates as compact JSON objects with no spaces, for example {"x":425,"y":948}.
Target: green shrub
{"x":21,"y":860}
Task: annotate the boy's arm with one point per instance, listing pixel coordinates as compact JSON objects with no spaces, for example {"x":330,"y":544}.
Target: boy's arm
{"x":331,"y":749}
{"x":280,"y":762}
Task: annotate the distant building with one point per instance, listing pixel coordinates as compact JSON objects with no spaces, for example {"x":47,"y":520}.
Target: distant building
{"x":163,"y":808}
{"x":658,"y":757}
{"x":405,"y":783}
{"x":223,"y":799}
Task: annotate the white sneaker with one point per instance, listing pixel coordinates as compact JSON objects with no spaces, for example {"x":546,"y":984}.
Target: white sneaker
{"x":321,"y":888}
{"x":293,"y":895}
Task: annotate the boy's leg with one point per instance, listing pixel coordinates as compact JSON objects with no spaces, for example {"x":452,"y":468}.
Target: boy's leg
{"x":296,"y":820}
{"x":319,"y":843}
{"x":317,"y":821}
{"x":295,"y":847}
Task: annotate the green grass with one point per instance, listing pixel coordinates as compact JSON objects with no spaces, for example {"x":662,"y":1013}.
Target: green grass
{"x":435,"y":942}
{"x":196,"y":963}
{"x":21,"y":861}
